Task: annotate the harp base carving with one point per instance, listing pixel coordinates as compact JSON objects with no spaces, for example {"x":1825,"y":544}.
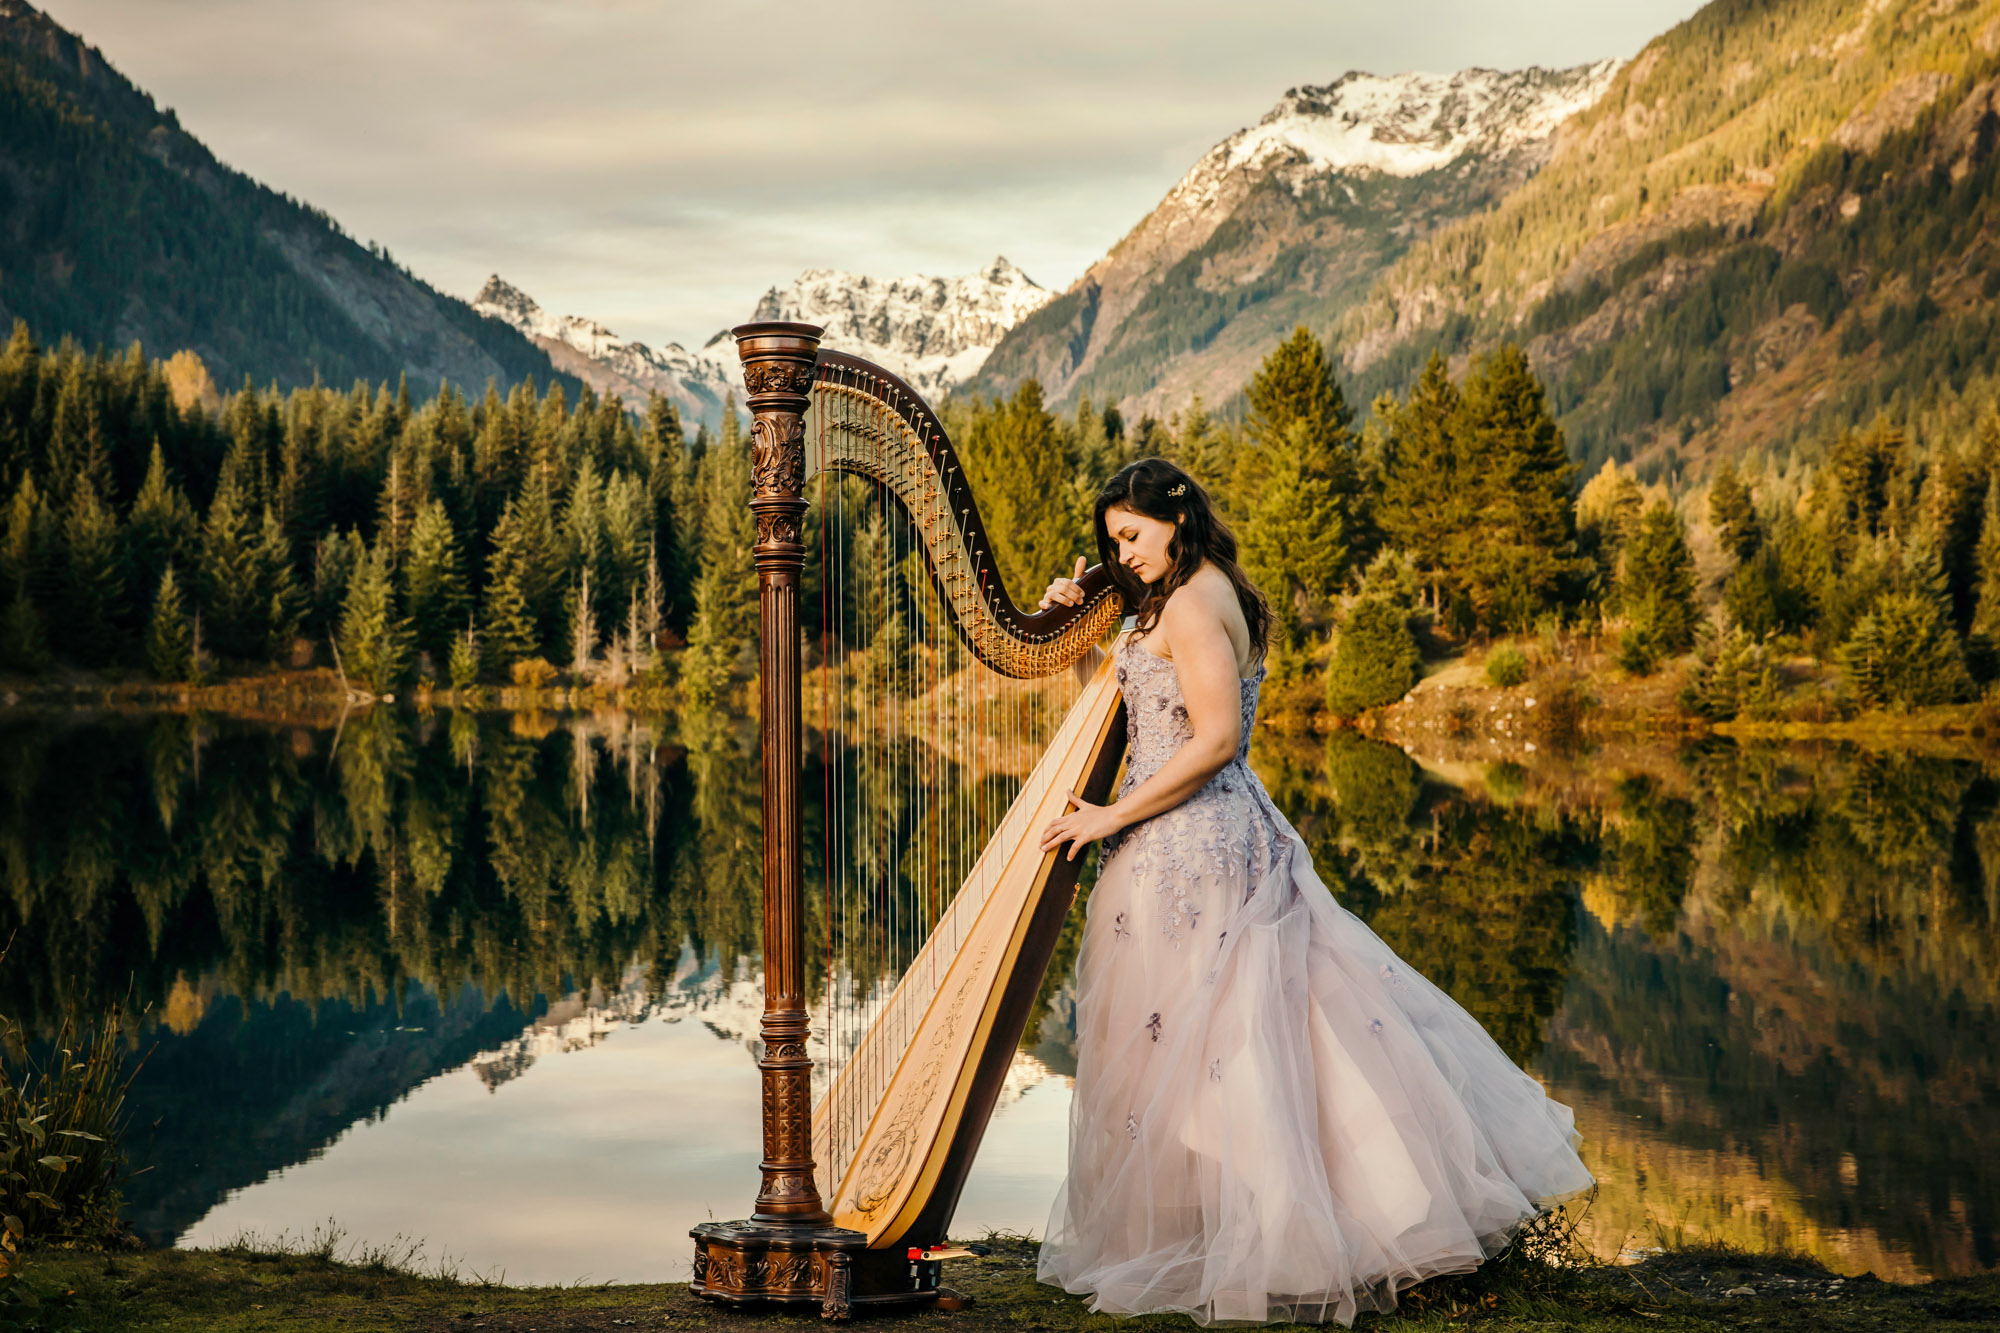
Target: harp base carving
{"x":755,"y":1263}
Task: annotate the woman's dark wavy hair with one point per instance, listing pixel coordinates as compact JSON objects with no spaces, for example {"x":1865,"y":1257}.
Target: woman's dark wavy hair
{"x":1159,"y":489}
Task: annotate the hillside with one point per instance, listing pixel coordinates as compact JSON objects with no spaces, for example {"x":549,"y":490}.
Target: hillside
{"x":117,"y":225}
{"x":1288,"y":221}
{"x":1780,"y":218}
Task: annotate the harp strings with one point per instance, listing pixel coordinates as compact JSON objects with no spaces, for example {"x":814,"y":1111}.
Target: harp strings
{"x":922,"y":748}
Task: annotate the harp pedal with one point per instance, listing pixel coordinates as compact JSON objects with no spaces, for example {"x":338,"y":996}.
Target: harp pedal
{"x":947,"y":1299}
{"x":939,"y":1252}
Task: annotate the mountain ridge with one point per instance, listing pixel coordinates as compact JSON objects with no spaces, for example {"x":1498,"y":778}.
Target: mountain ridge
{"x":117,"y":225}
{"x":1287,"y":221}
{"x":1778,"y":221}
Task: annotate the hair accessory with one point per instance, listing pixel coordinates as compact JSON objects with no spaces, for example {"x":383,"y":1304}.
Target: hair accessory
{"x":1179,"y":489}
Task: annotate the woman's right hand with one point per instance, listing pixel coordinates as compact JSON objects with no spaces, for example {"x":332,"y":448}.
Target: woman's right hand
{"x":1064,"y":592}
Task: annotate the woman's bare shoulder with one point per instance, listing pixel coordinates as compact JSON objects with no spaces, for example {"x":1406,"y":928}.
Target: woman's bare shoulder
{"x":1204,"y":604}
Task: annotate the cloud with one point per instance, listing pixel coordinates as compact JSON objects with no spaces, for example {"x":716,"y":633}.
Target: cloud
{"x":657,"y":166}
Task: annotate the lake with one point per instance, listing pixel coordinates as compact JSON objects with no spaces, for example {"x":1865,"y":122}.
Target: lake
{"x":488,"y":983}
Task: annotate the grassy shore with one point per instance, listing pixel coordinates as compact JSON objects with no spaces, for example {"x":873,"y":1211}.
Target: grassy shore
{"x":244,"y":1288}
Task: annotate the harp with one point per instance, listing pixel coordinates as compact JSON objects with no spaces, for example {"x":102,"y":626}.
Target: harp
{"x":951,"y":887}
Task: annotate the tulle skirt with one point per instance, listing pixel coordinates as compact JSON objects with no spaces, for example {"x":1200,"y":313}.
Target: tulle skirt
{"x":1274,"y":1118}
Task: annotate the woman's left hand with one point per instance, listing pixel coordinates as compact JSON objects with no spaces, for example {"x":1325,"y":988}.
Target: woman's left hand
{"x":1087,"y":823}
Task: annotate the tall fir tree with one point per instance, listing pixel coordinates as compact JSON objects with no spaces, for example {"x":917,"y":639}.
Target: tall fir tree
{"x":169,"y":634}
{"x":1519,"y":554}
{"x":94,"y":584}
{"x":725,"y":619}
{"x":283,"y":600}
{"x":433,"y":576}
{"x":1294,"y":386}
{"x":1015,"y":460}
{"x":1656,"y":590}
{"x":161,"y":530}
{"x":1426,"y":501}
{"x":1732,"y":508}
{"x":669,"y":483}
{"x":374,"y":636}
{"x":1296,"y":544}
{"x":231,"y":598}
{"x":513,"y":634}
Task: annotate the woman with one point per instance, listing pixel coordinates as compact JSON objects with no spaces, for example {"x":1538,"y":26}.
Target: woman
{"x":1274,"y":1117}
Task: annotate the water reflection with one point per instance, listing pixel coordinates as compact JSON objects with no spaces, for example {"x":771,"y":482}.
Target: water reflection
{"x":473,"y":978}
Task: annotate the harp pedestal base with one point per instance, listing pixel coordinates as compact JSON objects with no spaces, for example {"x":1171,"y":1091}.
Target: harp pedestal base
{"x":752,"y":1263}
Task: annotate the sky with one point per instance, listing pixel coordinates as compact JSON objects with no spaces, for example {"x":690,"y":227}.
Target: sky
{"x":658,"y":166}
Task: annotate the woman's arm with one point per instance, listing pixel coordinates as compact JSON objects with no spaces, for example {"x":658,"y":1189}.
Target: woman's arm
{"x":1205,"y":660}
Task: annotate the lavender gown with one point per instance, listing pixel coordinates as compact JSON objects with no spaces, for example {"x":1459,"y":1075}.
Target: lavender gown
{"x":1274,"y":1117}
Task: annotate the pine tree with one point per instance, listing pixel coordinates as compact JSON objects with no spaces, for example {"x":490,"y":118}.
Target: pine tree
{"x":161,"y":530}
{"x":77,"y":456}
{"x":374,"y":636}
{"x":169,"y":635}
{"x":1732,"y":508}
{"x":1520,"y":550}
{"x":94,"y":593}
{"x":434,"y":580}
{"x":1296,"y":543}
{"x":1426,"y":502}
{"x":464,"y":664}
{"x":1656,"y":590}
{"x":1903,"y":653}
{"x":669,"y":485}
{"x":1206,"y":451}
{"x":1294,"y":389}
{"x":1015,"y":461}
{"x":397,"y":506}
{"x":1375,"y":656}
{"x":1294,"y":386}
{"x":284,"y":601}
{"x":231,"y":591}
{"x":512,"y":632}
{"x":335,"y":558}
{"x":725,"y":620}
{"x":28,"y":550}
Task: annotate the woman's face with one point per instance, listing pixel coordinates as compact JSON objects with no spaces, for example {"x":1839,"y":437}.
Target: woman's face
{"x":1141,"y":541}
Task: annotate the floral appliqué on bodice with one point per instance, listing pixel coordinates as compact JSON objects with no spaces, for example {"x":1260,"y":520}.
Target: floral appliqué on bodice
{"x":1216,"y":833}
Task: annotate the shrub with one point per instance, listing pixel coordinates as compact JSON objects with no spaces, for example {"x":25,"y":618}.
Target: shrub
{"x":1733,"y":677}
{"x":464,"y":662}
{"x":533,"y":673}
{"x":1558,"y":721}
{"x":1903,"y":654}
{"x":1375,"y":659}
{"x":1507,"y":666}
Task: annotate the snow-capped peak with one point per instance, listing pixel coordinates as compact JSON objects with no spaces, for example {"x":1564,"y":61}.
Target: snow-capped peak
{"x":1403,"y":124}
{"x":934,"y":332}
{"x":620,"y":367}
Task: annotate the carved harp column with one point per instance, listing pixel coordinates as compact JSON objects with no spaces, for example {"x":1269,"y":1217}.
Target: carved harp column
{"x":778,"y":364}
{"x":788,"y":1251}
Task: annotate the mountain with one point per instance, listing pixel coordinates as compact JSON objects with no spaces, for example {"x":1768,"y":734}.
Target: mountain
{"x":1289,"y":221}
{"x":614,"y":366}
{"x":934,"y":332}
{"x":1779,"y":219}
{"x":117,"y":225}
